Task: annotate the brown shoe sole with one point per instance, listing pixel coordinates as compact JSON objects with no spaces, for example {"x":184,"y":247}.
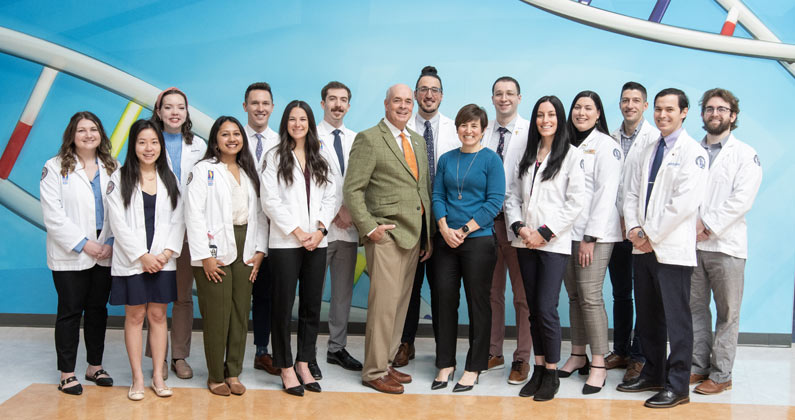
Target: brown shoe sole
{"x":702,"y":392}
{"x":385,"y":391}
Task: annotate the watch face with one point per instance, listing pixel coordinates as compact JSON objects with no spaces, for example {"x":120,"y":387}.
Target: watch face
{"x":465,"y":229}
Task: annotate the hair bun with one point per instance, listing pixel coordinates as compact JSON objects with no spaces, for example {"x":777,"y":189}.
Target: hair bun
{"x":429,"y":71}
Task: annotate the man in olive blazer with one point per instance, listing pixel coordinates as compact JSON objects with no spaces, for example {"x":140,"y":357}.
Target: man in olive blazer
{"x":388,"y":196}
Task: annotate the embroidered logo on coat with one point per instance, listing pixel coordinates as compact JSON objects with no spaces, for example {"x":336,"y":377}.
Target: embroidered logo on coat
{"x":44,"y":173}
{"x":582,"y":164}
{"x":210,"y":178}
{"x":190,"y":178}
{"x":110,"y":188}
{"x":617,"y":154}
{"x":701,"y":162}
{"x":756,"y":161}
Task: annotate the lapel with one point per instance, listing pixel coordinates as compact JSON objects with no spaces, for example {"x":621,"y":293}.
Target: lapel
{"x":729,"y":145}
{"x":391,"y":143}
{"x":80,"y":172}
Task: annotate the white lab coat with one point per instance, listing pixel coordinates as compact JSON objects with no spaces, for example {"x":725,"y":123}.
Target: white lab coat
{"x":129,"y":228}
{"x":599,"y":218}
{"x":670,"y":219}
{"x":191,"y":153}
{"x":67,"y":205}
{"x":208,"y":216}
{"x":734,"y":179}
{"x":648,"y":134}
{"x":286,"y":205}
{"x":324,"y":132}
{"x":447,"y":138}
{"x":555,"y":202}
{"x":512,"y":152}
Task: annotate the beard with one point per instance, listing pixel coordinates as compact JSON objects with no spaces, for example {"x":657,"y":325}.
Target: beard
{"x":717,"y":129}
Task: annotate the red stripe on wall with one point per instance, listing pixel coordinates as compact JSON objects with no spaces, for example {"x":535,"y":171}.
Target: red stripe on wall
{"x":13,"y":148}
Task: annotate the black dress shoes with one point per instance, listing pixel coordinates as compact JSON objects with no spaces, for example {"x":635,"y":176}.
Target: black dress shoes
{"x":667,"y":399}
{"x":344,"y":359}
{"x":550,"y":383}
{"x":297,"y":390}
{"x":639,"y":385}
{"x":311,"y":386}
{"x":529,"y":389}
{"x":314,"y":369}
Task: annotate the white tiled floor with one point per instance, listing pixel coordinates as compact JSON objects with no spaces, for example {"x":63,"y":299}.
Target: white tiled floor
{"x":762,"y":375}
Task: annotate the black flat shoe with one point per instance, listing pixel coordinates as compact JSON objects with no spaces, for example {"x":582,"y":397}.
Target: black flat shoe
{"x":314,"y":369}
{"x":586,"y":369}
{"x":100,"y":381}
{"x":590,"y":389}
{"x":72,"y":390}
{"x":550,"y":384}
{"x":667,"y":399}
{"x":529,"y":389}
{"x":639,"y":385}
{"x":344,"y":359}
{"x":464,"y":388}
{"x":442,"y":384}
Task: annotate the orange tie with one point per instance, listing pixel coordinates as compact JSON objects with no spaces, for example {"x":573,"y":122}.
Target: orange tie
{"x":408,"y":153}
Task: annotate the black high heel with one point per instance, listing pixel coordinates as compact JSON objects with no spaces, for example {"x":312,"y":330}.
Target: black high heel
{"x":582,"y":371}
{"x":464,"y":388}
{"x":590,"y":389}
{"x":297,"y":390}
{"x":442,"y":384}
{"x":311,"y":386}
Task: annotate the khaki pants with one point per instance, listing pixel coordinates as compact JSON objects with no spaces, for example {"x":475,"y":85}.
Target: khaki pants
{"x":391,"y":270}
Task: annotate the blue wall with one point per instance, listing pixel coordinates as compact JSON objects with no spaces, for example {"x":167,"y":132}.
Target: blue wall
{"x":213,"y":51}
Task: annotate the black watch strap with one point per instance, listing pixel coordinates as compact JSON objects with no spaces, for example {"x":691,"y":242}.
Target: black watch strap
{"x":589,"y":239}
{"x":323,"y":230}
{"x":516,"y":227}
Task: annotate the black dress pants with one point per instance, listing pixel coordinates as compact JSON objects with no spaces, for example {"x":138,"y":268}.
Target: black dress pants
{"x":81,"y":294}
{"x":424,"y":268}
{"x":290,"y":267}
{"x":261,"y":304}
{"x":542,"y":273}
{"x":473,"y":260}
{"x":620,"y":268}
{"x":662,"y":294}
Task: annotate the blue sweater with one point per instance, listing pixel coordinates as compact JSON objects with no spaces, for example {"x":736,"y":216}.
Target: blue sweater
{"x":482,"y":194}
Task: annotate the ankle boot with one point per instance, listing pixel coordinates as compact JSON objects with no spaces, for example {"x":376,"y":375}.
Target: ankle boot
{"x":549,"y":386}
{"x":531,"y":387}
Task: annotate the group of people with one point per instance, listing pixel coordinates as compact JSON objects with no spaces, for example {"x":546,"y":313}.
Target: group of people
{"x":255,"y":215}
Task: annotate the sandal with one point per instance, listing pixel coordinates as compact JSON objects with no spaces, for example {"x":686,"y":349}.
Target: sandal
{"x":107,"y":381}
{"x":72,"y":390}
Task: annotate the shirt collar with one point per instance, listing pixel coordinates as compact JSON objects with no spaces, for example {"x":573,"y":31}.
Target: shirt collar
{"x":634,"y":133}
{"x":508,"y":126}
{"x":670,"y":140}
{"x":721,"y":144}
{"x":251,"y":132}
{"x":394,"y":130}
{"x":421,"y":121}
{"x":327,"y":128}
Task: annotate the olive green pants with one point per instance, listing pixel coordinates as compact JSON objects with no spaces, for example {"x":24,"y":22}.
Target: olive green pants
{"x":224,"y":308}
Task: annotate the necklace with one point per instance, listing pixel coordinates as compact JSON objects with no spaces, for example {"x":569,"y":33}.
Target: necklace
{"x":460,"y":185}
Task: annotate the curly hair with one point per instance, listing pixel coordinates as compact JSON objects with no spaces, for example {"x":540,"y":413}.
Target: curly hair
{"x":68,"y":151}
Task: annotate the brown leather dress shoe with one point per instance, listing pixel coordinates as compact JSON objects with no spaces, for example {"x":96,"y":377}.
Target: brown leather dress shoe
{"x":519,"y":371}
{"x":496,"y":362}
{"x":404,"y":354}
{"x":399,"y":377}
{"x":384,"y":384}
{"x":265,"y":362}
{"x":613,"y":361}
{"x":696,"y":378}
{"x":633,"y":370}
{"x":710,"y":387}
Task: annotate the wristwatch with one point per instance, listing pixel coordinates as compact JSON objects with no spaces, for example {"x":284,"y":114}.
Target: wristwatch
{"x":465,"y":229}
{"x":323,"y":230}
{"x":641,"y":234}
{"x":588,"y":239}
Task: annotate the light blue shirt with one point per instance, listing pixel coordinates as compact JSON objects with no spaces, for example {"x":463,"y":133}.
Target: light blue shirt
{"x":174,"y":150}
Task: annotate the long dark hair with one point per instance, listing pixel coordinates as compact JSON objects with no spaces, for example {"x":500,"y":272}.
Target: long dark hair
{"x":317,"y":164}
{"x":560,"y":144}
{"x":131,"y":170}
{"x":187,"y":135}
{"x":243,"y":159}
{"x":601,"y":122}
{"x":68,"y":150}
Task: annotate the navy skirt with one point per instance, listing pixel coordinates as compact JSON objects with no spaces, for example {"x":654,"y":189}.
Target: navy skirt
{"x":139,"y":289}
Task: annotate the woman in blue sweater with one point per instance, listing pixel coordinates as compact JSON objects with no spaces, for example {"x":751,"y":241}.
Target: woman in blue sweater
{"x":468,"y":192}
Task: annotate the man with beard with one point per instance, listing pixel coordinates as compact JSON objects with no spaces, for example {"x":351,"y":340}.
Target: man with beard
{"x":343,"y":239}
{"x":440,"y":137}
{"x":258,"y":105}
{"x":734,"y":177}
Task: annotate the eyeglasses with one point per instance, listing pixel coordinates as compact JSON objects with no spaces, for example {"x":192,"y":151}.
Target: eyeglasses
{"x":721,"y":110}
{"x":424,"y":89}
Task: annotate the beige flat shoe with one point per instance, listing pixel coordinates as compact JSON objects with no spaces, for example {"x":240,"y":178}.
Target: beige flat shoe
{"x":135,"y":395}
{"x":236,"y":388}
{"x":162,"y":392}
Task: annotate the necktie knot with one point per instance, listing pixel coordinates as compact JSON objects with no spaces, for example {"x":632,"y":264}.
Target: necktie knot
{"x":502,"y":131}
{"x":336,"y":132}
{"x":427,"y":124}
